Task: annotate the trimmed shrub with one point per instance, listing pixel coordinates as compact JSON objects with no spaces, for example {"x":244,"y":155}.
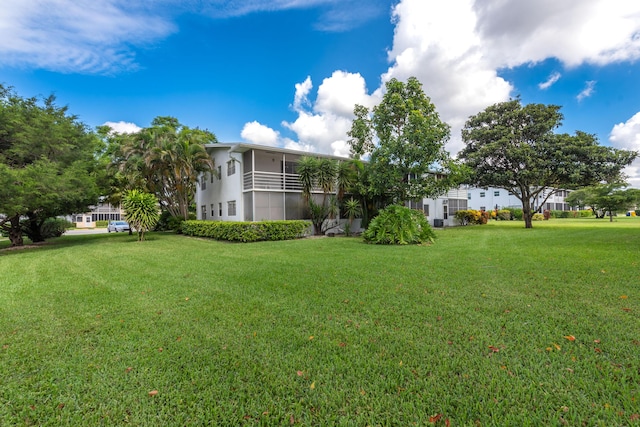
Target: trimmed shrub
{"x":236,"y":231}
{"x":538,"y":217}
{"x":103,"y":223}
{"x":399,"y":225}
{"x":504,"y":215}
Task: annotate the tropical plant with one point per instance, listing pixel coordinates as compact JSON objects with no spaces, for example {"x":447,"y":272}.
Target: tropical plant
{"x":165,"y":159}
{"x":353,"y":209}
{"x":141,"y":211}
{"x":399,"y":225}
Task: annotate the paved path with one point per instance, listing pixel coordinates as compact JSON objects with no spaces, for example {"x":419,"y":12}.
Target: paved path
{"x":78,"y":231}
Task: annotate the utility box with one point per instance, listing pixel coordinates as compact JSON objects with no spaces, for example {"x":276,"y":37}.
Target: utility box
{"x":438,"y":222}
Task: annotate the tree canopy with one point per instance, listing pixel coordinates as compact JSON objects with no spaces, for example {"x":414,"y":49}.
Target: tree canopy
{"x":515,"y":147}
{"x":405,"y":141}
{"x":48,"y":164}
{"x":164,"y":159}
{"x":605,"y":198}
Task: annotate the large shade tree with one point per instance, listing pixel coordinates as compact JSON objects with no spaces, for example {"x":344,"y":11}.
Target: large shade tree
{"x":405,"y":141}
{"x":48,"y":164}
{"x":164,"y":159}
{"x":515,"y":147}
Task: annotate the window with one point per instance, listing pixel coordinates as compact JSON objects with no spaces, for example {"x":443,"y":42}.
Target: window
{"x":231,"y":167}
{"x":211,"y":176}
{"x":482,"y":194}
{"x":220,"y":210}
{"x":203,"y":184}
{"x":219,"y":172}
{"x":483,"y":208}
{"x":213,"y":212}
{"x":445,"y":212}
{"x":469,"y":196}
{"x":425,"y":208}
{"x":204,"y":211}
{"x":78,"y":219}
{"x":231,"y":208}
{"x":496,"y":193}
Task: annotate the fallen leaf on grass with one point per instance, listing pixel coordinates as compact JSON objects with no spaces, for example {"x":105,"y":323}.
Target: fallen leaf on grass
{"x":494,"y":349}
{"x":153,"y":392}
{"x":623,"y":297}
{"x":299,"y":373}
{"x":634,"y":417}
{"x":313,"y":386}
{"x":186,"y":299}
{"x":128,"y":370}
{"x":596,"y":341}
{"x":60,"y":405}
{"x":627,"y":309}
{"x":597,"y":350}
{"x":435,"y":418}
{"x":311,"y":337}
{"x":570,"y":337}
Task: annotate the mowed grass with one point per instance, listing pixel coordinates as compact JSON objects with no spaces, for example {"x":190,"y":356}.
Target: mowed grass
{"x":477,"y":329}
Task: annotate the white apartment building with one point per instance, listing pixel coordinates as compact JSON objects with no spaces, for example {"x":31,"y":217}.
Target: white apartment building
{"x":491,"y":198}
{"x":256,"y":183}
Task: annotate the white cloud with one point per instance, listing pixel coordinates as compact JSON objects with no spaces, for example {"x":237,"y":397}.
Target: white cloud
{"x":260,"y":134}
{"x":515,"y":32}
{"x":554,"y":77}
{"x":123,"y":127}
{"x":325,"y":124}
{"x":627,"y":136}
{"x":587,"y":91}
{"x":76,"y":35}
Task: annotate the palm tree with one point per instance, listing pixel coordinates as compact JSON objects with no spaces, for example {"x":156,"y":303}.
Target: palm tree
{"x":166,"y":159}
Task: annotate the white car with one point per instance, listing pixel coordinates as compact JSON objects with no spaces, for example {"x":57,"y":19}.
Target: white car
{"x":118,"y":226}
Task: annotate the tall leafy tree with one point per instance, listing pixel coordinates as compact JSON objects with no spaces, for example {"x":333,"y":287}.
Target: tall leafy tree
{"x":405,"y":141}
{"x":49,"y":164}
{"x":165,"y":159}
{"x":515,"y":147}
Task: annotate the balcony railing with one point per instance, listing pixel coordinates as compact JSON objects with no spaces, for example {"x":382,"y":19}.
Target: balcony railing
{"x":257,"y":180}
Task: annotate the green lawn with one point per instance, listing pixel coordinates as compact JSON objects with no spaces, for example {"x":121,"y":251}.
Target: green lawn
{"x":477,"y":329}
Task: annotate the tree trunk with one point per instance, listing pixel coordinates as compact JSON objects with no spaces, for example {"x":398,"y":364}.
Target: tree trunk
{"x":15,"y":233}
{"x":527,"y":215}
{"x":610,"y":216}
{"x":35,"y":231}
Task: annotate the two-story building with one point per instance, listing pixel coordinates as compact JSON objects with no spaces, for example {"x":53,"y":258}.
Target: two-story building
{"x":255,"y":183}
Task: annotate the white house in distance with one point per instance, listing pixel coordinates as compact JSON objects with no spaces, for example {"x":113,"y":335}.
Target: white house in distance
{"x":487,"y":199}
{"x":258,"y":183}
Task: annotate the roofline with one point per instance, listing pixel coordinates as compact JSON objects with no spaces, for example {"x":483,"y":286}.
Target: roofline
{"x":241,"y":147}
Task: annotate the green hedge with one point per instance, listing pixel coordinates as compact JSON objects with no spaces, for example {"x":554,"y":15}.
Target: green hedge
{"x":234,"y":231}
{"x":102,"y":223}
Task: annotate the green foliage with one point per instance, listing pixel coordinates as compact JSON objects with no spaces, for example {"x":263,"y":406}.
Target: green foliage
{"x":605,"y":198}
{"x":54,"y":227}
{"x":504,"y":215}
{"x":168,"y":222}
{"x":102,"y":223}
{"x":538,"y":217}
{"x":515,"y":147}
{"x":406,"y":142}
{"x":48,"y":164}
{"x":165,"y":159}
{"x":233,"y":231}
{"x":141,"y":211}
{"x":472,"y":216}
{"x":399,"y":225}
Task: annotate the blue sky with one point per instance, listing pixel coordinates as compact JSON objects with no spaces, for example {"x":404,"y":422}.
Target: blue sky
{"x":288,"y":72}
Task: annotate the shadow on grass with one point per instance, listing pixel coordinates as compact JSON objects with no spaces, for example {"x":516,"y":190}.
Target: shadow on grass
{"x":66,"y":241}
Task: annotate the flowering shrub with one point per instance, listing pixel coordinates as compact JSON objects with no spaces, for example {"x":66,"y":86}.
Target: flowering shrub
{"x":471,"y":216}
